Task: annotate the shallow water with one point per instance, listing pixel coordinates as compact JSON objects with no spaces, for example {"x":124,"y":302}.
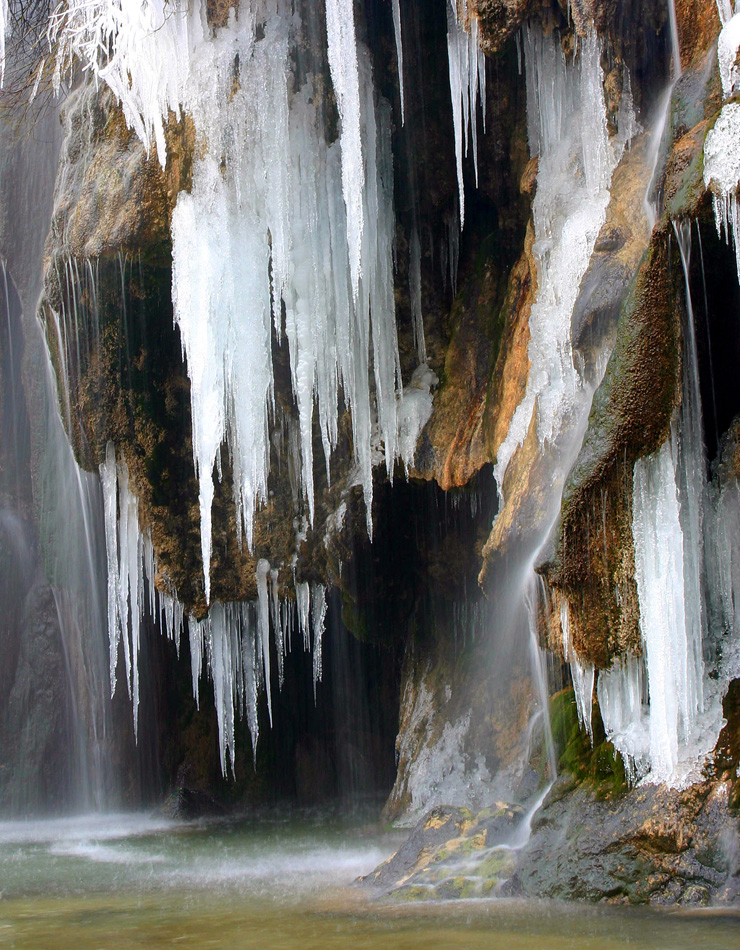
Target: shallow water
{"x":118,"y":882}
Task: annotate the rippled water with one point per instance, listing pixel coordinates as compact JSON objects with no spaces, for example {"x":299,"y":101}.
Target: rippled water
{"x":119,"y":882}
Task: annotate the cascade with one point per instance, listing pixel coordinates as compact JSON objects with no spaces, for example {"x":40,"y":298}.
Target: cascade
{"x":398,"y":34}
{"x":62,"y":588}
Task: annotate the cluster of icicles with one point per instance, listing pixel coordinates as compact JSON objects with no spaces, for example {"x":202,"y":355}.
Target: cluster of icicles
{"x":722,"y":144}
{"x":662,"y":710}
{"x":282,"y":235}
{"x":234,"y":639}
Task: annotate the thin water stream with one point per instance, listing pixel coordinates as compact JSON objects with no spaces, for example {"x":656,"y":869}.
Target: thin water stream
{"x":135,"y":881}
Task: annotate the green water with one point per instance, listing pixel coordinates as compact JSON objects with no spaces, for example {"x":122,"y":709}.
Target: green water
{"x":128,"y":882}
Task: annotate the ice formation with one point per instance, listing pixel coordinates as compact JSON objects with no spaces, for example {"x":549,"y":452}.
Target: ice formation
{"x":234,"y":639}
{"x":722,"y":172}
{"x":567,"y":128}
{"x":721,"y":148}
{"x":665,"y":734}
{"x":345,"y":74}
{"x":582,"y":673}
{"x":300,"y":247}
{"x":624,"y":710}
{"x":414,"y":411}
{"x":467,"y":67}
{"x":140,"y":48}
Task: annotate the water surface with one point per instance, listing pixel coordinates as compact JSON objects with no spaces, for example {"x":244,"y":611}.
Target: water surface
{"x":119,"y":882}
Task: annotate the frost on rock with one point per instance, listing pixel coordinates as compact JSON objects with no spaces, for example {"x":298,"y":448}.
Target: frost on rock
{"x":467,"y":67}
{"x":567,"y":128}
{"x":414,"y":411}
{"x":442,"y":771}
{"x":722,"y":172}
{"x":140,"y":48}
{"x":722,"y":143}
{"x":728,"y":45}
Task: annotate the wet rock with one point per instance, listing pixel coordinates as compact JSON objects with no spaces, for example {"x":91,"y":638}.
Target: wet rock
{"x":640,"y":846}
{"x":499,"y":21}
{"x":451,"y":853}
{"x":186,"y":804}
{"x":617,"y":254}
{"x":629,"y":417}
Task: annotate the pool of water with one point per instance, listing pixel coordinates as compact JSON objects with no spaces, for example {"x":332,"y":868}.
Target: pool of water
{"x":115,"y":882}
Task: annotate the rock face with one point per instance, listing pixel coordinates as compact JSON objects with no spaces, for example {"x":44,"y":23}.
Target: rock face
{"x":652,"y":846}
{"x":591,"y":838}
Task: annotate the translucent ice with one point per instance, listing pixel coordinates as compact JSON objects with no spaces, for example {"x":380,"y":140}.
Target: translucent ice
{"x":467,"y":84}
{"x":567,"y":128}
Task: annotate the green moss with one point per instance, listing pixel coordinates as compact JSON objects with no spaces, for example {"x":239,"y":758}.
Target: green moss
{"x":497,"y":864}
{"x":597,"y":765}
{"x":408,"y":895}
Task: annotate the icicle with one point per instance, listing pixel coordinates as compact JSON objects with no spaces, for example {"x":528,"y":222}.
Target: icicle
{"x":223,"y":676}
{"x":659,"y":571}
{"x":109,"y":482}
{"x":722,"y":172}
{"x":318,"y":618}
{"x":467,"y":85}
{"x":310,"y":234}
{"x":303,"y":607}
{"x":196,"y":631}
{"x":342,"y":49}
{"x":277,"y":625}
{"x":399,"y":52}
{"x":263,"y":622}
{"x":581,"y":673}
{"x":250,"y":679}
{"x":620,"y":692}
